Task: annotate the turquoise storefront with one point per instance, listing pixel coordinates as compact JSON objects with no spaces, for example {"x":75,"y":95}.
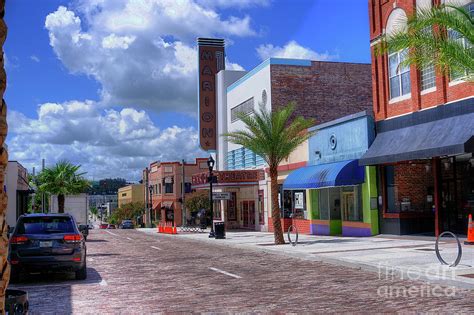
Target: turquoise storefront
{"x":341,"y":195}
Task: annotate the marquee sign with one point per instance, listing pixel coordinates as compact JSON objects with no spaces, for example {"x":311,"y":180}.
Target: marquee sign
{"x":225,"y":177}
{"x":211,"y":61}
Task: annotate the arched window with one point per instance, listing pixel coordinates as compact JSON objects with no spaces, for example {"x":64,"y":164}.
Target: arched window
{"x":399,"y":75}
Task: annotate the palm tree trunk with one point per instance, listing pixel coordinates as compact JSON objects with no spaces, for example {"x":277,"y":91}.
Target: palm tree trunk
{"x":61,"y":203}
{"x":277,"y":229}
{"x":4,"y":266}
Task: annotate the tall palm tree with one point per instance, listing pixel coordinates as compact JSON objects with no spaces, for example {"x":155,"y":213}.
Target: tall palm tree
{"x":273,"y":136}
{"x":441,"y":36}
{"x":62,"y":179}
{"x":4,"y":266}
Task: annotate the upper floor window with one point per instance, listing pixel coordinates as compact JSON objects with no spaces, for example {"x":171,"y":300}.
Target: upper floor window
{"x":246,"y":107}
{"x":399,"y":74}
{"x":168,"y":183}
{"x":464,"y":42}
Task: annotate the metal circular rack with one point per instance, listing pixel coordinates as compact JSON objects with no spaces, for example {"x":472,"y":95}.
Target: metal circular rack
{"x":458,"y":258}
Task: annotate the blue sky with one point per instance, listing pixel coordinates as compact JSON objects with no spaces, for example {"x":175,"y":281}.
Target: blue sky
{"x":87,"y":88}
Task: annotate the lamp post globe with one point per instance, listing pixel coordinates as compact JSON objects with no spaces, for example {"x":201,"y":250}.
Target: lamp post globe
{"x":210,"y":164}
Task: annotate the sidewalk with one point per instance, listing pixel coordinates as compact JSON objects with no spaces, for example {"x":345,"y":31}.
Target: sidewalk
{"x":407,"y":257}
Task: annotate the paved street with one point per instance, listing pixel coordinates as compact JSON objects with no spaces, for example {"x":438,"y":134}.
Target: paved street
{"x":133,"y":272}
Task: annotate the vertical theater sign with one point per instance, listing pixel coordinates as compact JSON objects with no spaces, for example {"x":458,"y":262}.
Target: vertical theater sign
{"x":211,"y":61}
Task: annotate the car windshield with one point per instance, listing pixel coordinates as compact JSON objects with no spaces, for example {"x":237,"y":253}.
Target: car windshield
{"x":45,"y":225}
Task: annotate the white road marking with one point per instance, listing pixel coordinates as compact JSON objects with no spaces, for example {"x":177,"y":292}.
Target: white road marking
{"x":225,"y":273}
{"x":130,"y":239}
{"x":111,"y":233}
{"x":154,"y":247}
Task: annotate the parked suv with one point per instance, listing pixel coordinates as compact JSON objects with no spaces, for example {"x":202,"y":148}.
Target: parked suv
{"x":47,"y":242}
{"x":126,"y":224}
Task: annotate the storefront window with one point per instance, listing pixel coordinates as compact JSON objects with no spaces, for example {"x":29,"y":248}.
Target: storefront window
{"x":324,"y":204}
{"x":351,"y":204}
{"x":409,"y":187}
{"x":232,"y":207}
{"x":261,"y":208}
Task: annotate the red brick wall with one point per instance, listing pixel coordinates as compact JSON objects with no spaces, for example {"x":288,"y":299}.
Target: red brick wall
{"x":379,"y":12}
{"x":412,"y":182}
{"x":301,"y":225}
{"x":325,"y":91}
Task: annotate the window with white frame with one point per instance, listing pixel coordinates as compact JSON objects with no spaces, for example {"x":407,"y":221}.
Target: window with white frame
{"x":464,"y":42}
{"x":246,"y":107}
{"x":428,"y":77}
{"x":399,"y":74}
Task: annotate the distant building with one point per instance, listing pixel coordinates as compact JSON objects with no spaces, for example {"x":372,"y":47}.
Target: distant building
{"x":17,"y":188}
{"x":97,"y":200}
{"x":131,"y":193}
{"x":166,"y":184}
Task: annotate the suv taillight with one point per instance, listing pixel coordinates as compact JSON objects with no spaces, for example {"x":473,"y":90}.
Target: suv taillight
{"x":72,"y":238}
{"x":18,"y":240}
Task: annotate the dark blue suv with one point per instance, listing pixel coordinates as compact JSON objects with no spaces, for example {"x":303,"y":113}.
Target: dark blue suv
{"x":47,"y":242}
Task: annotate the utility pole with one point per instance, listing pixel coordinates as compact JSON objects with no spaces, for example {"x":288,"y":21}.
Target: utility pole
{"x":43,"y":197}
{"x":147,"y":208}
{"x":35,"y":183}
{"x":183,"y":187}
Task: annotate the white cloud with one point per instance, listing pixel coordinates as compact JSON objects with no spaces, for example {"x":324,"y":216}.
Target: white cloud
{"x":233,"y":3}
{"x":105,"y":142}
{"x":292,"y":50}
{"x":141,"y":52}
{"x":34,"y":58}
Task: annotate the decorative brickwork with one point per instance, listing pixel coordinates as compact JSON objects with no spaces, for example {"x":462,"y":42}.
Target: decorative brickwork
{"x":325,"y":91}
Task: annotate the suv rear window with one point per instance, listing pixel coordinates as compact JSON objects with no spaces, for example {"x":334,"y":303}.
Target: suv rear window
{"x":45,"y":225}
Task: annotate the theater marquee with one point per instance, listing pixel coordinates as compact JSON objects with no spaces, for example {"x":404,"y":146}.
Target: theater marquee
{"x":211,"y":61}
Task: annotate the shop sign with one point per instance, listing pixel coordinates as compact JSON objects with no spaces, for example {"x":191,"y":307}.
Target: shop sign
{"x":299,"y":200}
{"x":221,"y":196}
{"x":241,"y":176}
{"x":211,"y":61}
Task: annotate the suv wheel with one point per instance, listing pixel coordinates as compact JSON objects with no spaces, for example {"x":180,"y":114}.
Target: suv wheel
{"x":81,"y":274}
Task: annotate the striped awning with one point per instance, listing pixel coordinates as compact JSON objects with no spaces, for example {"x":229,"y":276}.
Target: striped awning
{"x":344,"y":173}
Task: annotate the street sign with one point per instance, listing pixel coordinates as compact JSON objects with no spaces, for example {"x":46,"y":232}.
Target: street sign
{"x":221,"y":196}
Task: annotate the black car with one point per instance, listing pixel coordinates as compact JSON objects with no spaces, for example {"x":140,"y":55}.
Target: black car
{"x":47,"y":242}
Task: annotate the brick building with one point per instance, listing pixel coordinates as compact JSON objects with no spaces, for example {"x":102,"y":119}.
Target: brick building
{"x":166,"y":184}
{"x":425,"y":124}
{"x":321,"y":90}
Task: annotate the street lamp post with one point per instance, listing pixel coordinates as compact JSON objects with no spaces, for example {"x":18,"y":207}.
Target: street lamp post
{"x":210,"y":164}
{"x":150,"y":188}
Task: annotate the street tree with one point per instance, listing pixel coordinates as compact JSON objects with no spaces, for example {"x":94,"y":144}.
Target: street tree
{"x":4,"y":265}
{"x":272,"y":136}
{"x":62,"y":179}
{"x":441,"y":36}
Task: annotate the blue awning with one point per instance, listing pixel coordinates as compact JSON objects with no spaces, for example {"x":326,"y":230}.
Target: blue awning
{"x":344,"y":173}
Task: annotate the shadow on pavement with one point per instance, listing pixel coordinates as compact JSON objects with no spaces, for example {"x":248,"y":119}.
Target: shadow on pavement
{"x":102,"y":255}
{"x":51,"y":292}
{"x":96,"y":241}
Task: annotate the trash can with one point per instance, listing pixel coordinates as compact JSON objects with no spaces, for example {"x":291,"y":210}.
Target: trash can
{"x":219,"y":230}
{"x":16,"y":302}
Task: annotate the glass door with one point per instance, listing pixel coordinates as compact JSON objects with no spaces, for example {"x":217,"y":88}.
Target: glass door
{"x":347,"y":206}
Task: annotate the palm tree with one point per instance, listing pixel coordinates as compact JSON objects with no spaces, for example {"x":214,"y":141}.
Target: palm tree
{"x":441,"y":36}
{"x":4,"y":266}
{"x":273,"y":136}
{"x":62,"y":179}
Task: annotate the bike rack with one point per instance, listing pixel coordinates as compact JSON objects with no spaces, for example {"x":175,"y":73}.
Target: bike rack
{"x":458,"y":258}
{"x":295,"y":242}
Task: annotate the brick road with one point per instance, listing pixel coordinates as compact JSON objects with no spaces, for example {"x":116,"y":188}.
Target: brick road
{"x":136,"y":273}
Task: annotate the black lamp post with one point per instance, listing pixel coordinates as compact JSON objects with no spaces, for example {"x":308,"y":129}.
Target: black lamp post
{"x":210,"y":164}
{"x":150,"y":188}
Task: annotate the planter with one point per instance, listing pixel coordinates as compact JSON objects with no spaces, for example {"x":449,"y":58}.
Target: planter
{"x":16,"y":302}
